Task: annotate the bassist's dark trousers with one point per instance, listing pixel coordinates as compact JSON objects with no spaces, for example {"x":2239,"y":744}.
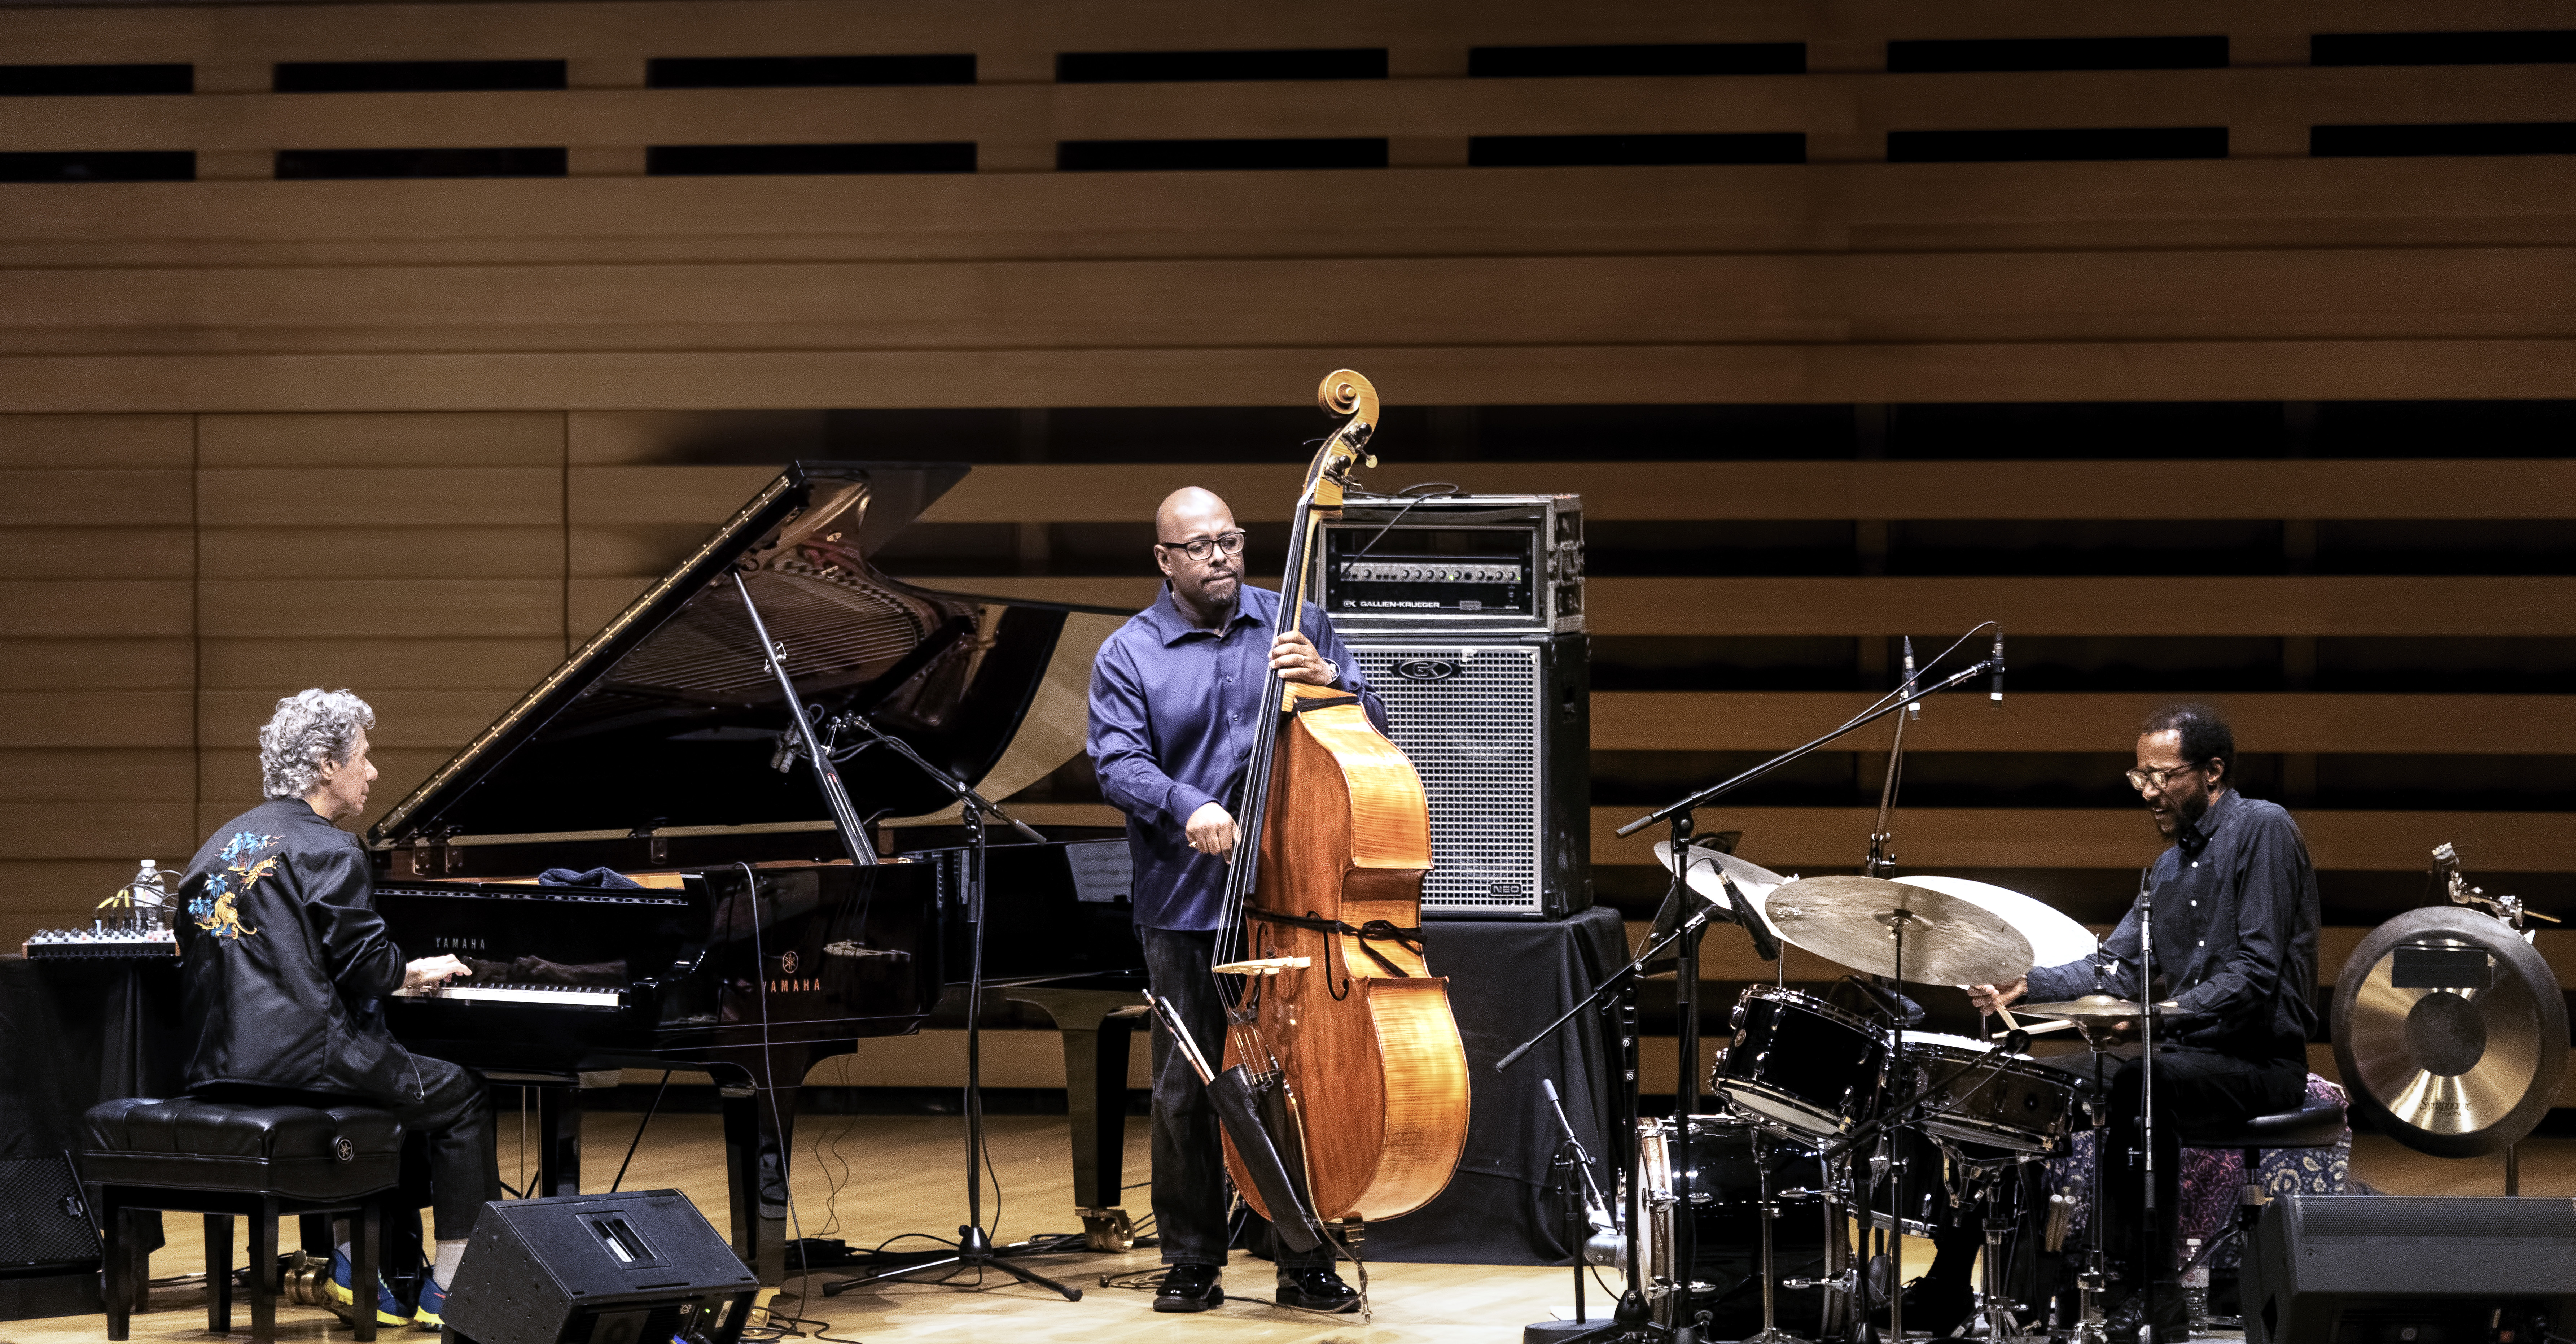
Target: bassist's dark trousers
{"x":1191,"y":1199}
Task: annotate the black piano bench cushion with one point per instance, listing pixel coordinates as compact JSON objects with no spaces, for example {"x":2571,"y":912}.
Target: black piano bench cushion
{"x":335,"y":1151}
{"x":2318,"y":1124}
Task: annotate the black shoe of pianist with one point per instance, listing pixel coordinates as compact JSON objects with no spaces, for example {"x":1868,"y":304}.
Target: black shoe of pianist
{"x":1316,"y":1289}
{"x":1189,"y":1288}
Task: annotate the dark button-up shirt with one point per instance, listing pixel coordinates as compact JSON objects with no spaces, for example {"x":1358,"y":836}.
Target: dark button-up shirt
{"x":1172,"y":716}
{"x":2235,"y":904}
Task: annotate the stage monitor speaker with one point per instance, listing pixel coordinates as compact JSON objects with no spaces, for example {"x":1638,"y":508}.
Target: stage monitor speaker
{"x":49,"y":1250}
{"x":637,"y":1267}
{"x":1500,"y":729}
{"x":2389,"y":1269}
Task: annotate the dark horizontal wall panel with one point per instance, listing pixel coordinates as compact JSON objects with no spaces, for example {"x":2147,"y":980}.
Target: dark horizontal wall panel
{"x":1178,"y":67}
{"x":945,"y":156}
{"x":2444,"y":546}
{"x":2527,"y":428}
{"x":2454,"y":140}
{"x":1147,"y":156}
{"x":2057,"y":53}
{"x":2088,"y":430}
{"x":2534,"y":47}
{"x":1680,"y":58}
{"x":1558,"y":151}
{"x":301,"y":164}
{"x":131,"y":165}
{"x":2140,"y":142}
{"x":72,"y":81}
{"x":805,"y":72}
{"x":417,"y":76}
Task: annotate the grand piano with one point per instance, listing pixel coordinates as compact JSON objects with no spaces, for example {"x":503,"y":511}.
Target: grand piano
{"x":737,"y":930}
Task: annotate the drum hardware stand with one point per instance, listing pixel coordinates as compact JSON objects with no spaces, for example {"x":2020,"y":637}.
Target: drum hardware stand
{"x":975,"y":1248}
{"x":1765,"y":1209}
{"x":2150,"y":1252}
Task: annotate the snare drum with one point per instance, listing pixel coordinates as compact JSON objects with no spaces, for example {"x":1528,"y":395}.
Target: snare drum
{"x":1799,"y":1063}
{"x":1974,"y":1094}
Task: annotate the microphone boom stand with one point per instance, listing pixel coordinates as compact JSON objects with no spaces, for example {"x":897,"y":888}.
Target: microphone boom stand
{"x":975,"y":1248}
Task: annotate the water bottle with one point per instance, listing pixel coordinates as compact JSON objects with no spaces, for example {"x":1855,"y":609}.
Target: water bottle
{"x":2195,"y":1282}
{"x":147,"y":900}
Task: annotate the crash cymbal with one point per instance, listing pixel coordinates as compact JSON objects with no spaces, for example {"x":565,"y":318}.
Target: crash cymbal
{"x":2450,"y":1032}
{"x":2055,"y":939}
{"x":1754,"y":880}
{"x":1949,"y":940}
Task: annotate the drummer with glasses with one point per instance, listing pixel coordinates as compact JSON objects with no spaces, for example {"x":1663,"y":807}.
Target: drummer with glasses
{"x":2234,"y":901}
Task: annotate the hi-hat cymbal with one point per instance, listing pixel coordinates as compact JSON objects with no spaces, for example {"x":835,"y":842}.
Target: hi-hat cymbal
{"x":2090,"y":1008}
{"x":1949,"y":940}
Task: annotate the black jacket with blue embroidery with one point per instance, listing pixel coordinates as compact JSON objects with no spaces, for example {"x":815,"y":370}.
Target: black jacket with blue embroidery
{"x":286,"y":959}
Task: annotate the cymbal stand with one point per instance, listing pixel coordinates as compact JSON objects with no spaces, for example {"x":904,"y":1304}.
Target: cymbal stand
{"x":2151,"y":1255}
{"x":1765,"y":1209}
{"x":2093,"y":1282}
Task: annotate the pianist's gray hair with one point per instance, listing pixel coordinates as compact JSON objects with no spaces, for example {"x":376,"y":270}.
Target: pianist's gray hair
{"x":309,"y":727}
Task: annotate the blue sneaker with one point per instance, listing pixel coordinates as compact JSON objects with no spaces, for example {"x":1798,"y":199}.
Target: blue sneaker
{"x":433,"y":1304}
{"x":389,"y":1309}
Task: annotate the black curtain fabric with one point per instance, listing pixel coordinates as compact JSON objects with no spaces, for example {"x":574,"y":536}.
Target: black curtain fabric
{"x":1507,"y":981}
{"x":75,"y":1033}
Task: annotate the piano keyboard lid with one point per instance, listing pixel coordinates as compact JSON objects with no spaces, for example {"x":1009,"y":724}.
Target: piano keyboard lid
{"x":669,"y":717}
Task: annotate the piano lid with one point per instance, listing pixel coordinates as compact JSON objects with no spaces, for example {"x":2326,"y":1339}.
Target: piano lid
{"x":669,"y":717}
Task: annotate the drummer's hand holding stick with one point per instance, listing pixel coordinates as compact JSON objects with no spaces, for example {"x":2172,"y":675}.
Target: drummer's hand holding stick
{"x":1990,"y":1000}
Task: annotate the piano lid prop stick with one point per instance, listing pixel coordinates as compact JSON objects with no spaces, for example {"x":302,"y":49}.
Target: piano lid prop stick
{"x":845,"y":818}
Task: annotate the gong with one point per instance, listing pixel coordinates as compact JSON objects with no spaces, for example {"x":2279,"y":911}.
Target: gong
{"x":2450,"y":1032}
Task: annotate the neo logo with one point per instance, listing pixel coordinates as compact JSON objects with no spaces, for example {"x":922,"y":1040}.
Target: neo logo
{"x":1427,"y":669}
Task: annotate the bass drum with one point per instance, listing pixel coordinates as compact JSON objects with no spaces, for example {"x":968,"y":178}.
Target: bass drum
{"x":1725,"y":1282}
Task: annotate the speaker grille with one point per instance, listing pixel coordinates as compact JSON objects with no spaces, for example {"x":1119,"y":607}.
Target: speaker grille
{"x":42,"y":1218}
{"x":2447,"y":1218}
{"x":1470,"y":719}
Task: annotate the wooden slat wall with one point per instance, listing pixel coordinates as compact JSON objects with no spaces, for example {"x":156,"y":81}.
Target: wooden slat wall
{"x":414,"y":436}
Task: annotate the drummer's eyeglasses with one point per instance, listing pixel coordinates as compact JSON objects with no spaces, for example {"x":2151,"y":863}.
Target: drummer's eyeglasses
{"x":1202,"y":548}
{"x":2139,"y":779}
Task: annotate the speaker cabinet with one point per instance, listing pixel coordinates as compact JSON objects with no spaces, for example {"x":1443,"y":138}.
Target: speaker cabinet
{"x":2383,"y":1269}
{"x":49,"y":1251}
{"x":1500,"y":729}
{"x":638,"y":1267}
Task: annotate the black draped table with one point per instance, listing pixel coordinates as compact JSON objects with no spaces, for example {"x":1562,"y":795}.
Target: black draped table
{"x":1507,"y":980}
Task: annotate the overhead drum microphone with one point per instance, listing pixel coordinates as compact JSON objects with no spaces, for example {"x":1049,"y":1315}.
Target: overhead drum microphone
{"x":1995,"y":679}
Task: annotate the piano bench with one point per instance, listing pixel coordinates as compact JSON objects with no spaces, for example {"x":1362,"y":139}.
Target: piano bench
{"x":225,"y":1160}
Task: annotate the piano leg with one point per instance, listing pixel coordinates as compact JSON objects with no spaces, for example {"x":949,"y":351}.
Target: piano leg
{"x":1097,"y":1026}
{"x":558,"y":1140}
{"x":760,"y":1131}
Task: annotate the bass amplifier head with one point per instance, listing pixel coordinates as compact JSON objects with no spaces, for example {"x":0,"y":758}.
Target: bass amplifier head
{"x":1457,"y":563}
{"x":2386,"y":1269}
{"x":637,"y":1267}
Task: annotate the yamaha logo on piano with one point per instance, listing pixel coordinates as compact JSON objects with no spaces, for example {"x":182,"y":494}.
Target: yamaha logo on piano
{"x":787,"y":963}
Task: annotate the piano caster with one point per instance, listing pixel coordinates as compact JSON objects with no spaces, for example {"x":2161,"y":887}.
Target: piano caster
{"x":1109,"y":1230}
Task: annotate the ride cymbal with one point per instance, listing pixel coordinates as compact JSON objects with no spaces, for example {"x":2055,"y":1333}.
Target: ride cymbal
{"x":1853,"y":921}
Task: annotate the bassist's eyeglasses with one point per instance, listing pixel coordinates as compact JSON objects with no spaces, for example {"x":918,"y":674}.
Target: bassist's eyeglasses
{"x":1202,"y":548}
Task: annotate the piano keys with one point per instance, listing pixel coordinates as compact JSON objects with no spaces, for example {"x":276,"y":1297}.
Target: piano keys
{"x":756,"y":942}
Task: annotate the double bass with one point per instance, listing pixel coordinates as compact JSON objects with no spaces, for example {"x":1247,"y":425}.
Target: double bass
{"x":1346,"y":1036}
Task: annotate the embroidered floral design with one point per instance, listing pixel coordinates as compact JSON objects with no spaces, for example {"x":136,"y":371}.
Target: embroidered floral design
{"x":213,"y":907}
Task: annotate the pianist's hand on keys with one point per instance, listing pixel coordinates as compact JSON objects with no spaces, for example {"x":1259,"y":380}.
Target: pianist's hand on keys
{"x":431,"y":972}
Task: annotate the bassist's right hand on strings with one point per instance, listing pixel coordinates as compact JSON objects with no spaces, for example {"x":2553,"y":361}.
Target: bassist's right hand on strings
{"x":1211,"y":831}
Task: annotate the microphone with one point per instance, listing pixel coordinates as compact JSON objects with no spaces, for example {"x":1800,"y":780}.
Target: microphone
{"x":1766,"y":944}
{"x":1913,"y":711}
{"x":1995,"y":679}
{"x":2015,"y":1042}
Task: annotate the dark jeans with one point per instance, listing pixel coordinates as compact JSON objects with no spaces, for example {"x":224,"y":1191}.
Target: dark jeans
{"x":1190,"y":1197}
{"x":2198,"y":1085}
{"x":448,"y":1159}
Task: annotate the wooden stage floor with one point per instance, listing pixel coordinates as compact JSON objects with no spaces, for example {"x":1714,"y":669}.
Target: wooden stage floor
{"x":899,"y":1174}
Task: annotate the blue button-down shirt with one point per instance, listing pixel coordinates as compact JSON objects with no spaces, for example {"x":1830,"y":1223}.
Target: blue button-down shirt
{"x":2235,"y":902}
{"x":1172,"y":715}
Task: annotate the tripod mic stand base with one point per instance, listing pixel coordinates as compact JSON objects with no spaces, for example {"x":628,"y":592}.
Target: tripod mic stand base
{"x":976,"y":1251}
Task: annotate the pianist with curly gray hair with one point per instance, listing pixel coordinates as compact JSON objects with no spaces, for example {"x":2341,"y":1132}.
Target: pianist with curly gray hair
{"x":285,"y":962}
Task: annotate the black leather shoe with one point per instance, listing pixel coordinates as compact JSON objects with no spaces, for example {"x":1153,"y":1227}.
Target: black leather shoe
{"x":1317,"y":1289}
{"x":2129,"y":1323}
{"x":1190,"y":1288}
{"x":1938,"y":1306}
